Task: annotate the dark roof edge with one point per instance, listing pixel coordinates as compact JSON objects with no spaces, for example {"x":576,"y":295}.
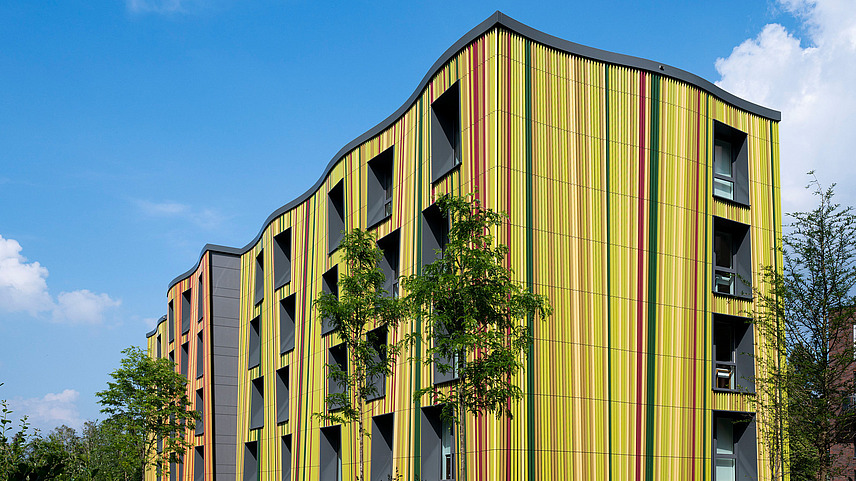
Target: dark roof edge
{"x":498,"y":19}
{"x":155,"y":330}
{"x":217,"y":249}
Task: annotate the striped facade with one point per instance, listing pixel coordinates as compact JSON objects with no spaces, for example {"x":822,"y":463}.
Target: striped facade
{"x":604,"y":165}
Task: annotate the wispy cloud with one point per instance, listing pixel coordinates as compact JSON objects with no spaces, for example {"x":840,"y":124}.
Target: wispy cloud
{"x":24,"y":288}
{"x":811,"y":81}
{"x":204,"y":218}
{"x":50,"y":411}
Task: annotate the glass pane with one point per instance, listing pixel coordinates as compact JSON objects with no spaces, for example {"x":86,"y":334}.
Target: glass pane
{"x":722,"y":158}
{"x":725,"y":376}
{"x":723,"y":250}
{"x":447,"y":459}
{"x":724,"y":436}
{"x":724,"y":283}
{"x":723,"y":188}
{"x":724,"y":343}
{"x":725,"y":469}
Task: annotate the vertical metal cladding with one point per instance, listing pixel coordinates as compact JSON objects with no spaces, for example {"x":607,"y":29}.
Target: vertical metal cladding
{"x":605,"y":172}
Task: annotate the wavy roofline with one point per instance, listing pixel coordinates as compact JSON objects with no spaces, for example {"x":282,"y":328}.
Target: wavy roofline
{"x":497,"y":20}
{"x":157,"y":325}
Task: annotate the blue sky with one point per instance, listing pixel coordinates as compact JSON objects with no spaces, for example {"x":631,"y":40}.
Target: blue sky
{"x":134,"y":132}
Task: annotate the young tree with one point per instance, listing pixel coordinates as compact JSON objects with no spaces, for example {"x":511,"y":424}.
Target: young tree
{"x":361,"y":305}
{"x":473,"y":310}
{"x":148,"y":404}
{"x":806,"y":314}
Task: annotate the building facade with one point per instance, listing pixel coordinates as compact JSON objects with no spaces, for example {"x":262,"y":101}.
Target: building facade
{"x":641,"y":201}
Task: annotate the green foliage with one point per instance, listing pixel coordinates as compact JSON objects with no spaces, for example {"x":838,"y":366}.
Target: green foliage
{"x":806,"y":313}
{"x":473,"y":310}
{"x":362,"y":304}
{"x":147,"y":401}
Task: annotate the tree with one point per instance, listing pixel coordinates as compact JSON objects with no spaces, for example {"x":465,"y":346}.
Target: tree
{"x":148,"y":404}
{"x":806,"y":314}
{"x":473,"y":310}
{"x":13,"y":444}
{"x":362,"y":304}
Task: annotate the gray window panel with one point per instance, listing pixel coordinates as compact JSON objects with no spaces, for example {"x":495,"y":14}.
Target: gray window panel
{"x":185,"y":311}
{"x":259,"y":291}
{"x":451,"y":372}
{"x":389,"y":262}
{"x":200,"y":408}
{"x":377,"y":338}
{"x":335,"y":216}
{"x":158,"y":346}
{"x":282,"y":259}
{"x":330,"y":453}
{"x":739,"y":178}
{"x":257,"y":403}
{"x":254,"y":354}
{"x":282,"y":395}
{"x":382,"y":432}
{"x":330,"y":285}
{"x":200,"y":300}
{"x":431,"y":430}
{"x":185,"y":354}
{"x":251,"y":461}
{"x":286,"y":324}
{"x":173,"y":472}
{"x":200,"y":351}
{"x":379,"y":188}
{"x":286,"y":457}
{"x":435,"y":233}
{"x":734,"y":354}
{"x":740,"y":258}
{"x":337,"y":356}
{"x":171,"y":323}
{"x":199,"y":464}
{"x":740,"y":443}
{"x":445,"y":133}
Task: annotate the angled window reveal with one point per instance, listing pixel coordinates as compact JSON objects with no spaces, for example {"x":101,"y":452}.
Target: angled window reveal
{"x":282,"y":259}
{"x":199,"y":464}
{"x":185,"y":354}
{"x":732,"y":259}
{"x":200,"y":350}
{"x":337,"y":359}
{"x":200,"y":300}
{"x":200,"y":408}
{"x":330,"y":454}
{"x":389,"y":262}
{"x":379,"y":189}
{"x":446,"y":133}
{"x":437,"y":444}
{"x":254,"y":354}
{"x":282,"y":395}
{"x":735,"y":445}
{"x":335,"y":216}
{"x":730,"y":164}
{"x":734,"y":354}
{"x":330,"y":285}
{"x":382,"y":432}
{"x":185,"y":311}
{"x":259,"y":289}
{"x":257,"y":403}
{"x":435,"y":233}
{"x":445,"y":367}
{"x":286,"y":324}
{"x":377,"y":381}
{"x":286,"y":457}
{"x":158,"y":346}
{"x":251,"y":461}
{"x":171,"y":321}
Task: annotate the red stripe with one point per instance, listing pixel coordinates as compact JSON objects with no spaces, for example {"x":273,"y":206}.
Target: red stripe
{"x":640,"y":325}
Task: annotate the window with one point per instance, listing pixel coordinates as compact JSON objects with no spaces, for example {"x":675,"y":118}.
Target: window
{"x":172,"y":357}
{"x":286,"y":324}
{"x":282,"y":396}
{"x":158,"y":345}
{"x":171,"y":316}
{"x":735,"y":449}
{"x":730,"y":164}
{"x":185,"y":311}
{"x":732,"y":258}
{"x":379,"y":189}
{"x":445,"y":367}
{"x":185,"y":353}
{"x":200,"y":408}
{"x":733,"y":349}
{"x":330,"y":285}
{"x":286,"y":457}
{"x":381,"y":464}
{"x":445,"y":133}
{"x":335,"y":216}
{"x":337,"y":360}
{"x":282,"y":259}
{"x":377,"y":382}
{"x":438,"y":445}
{"x":435,"y":234}
{"x":257,"y":403}
{"x":389,"y":262}
{"x":200,"y":300}
{"x":251,"y":461}
{"x":254,"y":354}
{"x":260,"y":278}
{"x":331,"y":453}
{"x":200,"y":364}
{"x":199,"y":464}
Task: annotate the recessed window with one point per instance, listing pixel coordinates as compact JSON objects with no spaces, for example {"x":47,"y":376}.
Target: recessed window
{"x":185,"y":311}
{"x":200,"y":350}
{"x":199,"y":464}
{"x":282,"y":395}
{"x":376,"y":382}
{"x":286,"y":457}
{"x":251,"y":461}
{"x":435,"y":233}
{"x":730,"y":164}
{"x":382,"y":432}
{"x":171,"y":324}
{"x":254,"y":354}
{"x":286,"y":324}
{"x":337,"y":360}
{"x":330,"y":454}
{"x":329,"y":285}
{"x":379,"y":191}
{"x":732,"y":259}
{"x":200,"y":408}
{"x":438,"y":445}
{"x":185,"y":354}
{"x":260,"y":279}
{"x":389,"y":262}
{"x":335,"y":216}
{"x":446,"y":367}
{"x":735,"y":446}
{"x":257,"y":403}
{"x":200,"y":300}
{"x":733,"y":349}
{"x":158,"y":346}
{"x":282,"y":259}
{"x":446,"y":133}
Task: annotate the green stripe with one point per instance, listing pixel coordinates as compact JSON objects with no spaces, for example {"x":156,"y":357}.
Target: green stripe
{"x":417,"y":375}
{"x":608,"y":283}
{"x":653,"y":228}
{"x":530,"y":274}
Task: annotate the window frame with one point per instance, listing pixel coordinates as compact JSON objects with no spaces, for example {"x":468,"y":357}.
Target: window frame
{"x":739,"y":178}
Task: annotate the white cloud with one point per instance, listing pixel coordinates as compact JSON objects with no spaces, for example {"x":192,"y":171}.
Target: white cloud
{"x":50,"y":411}
{"x":24,"y":288}
{"x":204,"y":218}
{"x":811,"y":82}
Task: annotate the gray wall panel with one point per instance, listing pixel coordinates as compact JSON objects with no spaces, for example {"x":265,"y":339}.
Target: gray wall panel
{"x":229,"y":261}
{"x":224,"y":308}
